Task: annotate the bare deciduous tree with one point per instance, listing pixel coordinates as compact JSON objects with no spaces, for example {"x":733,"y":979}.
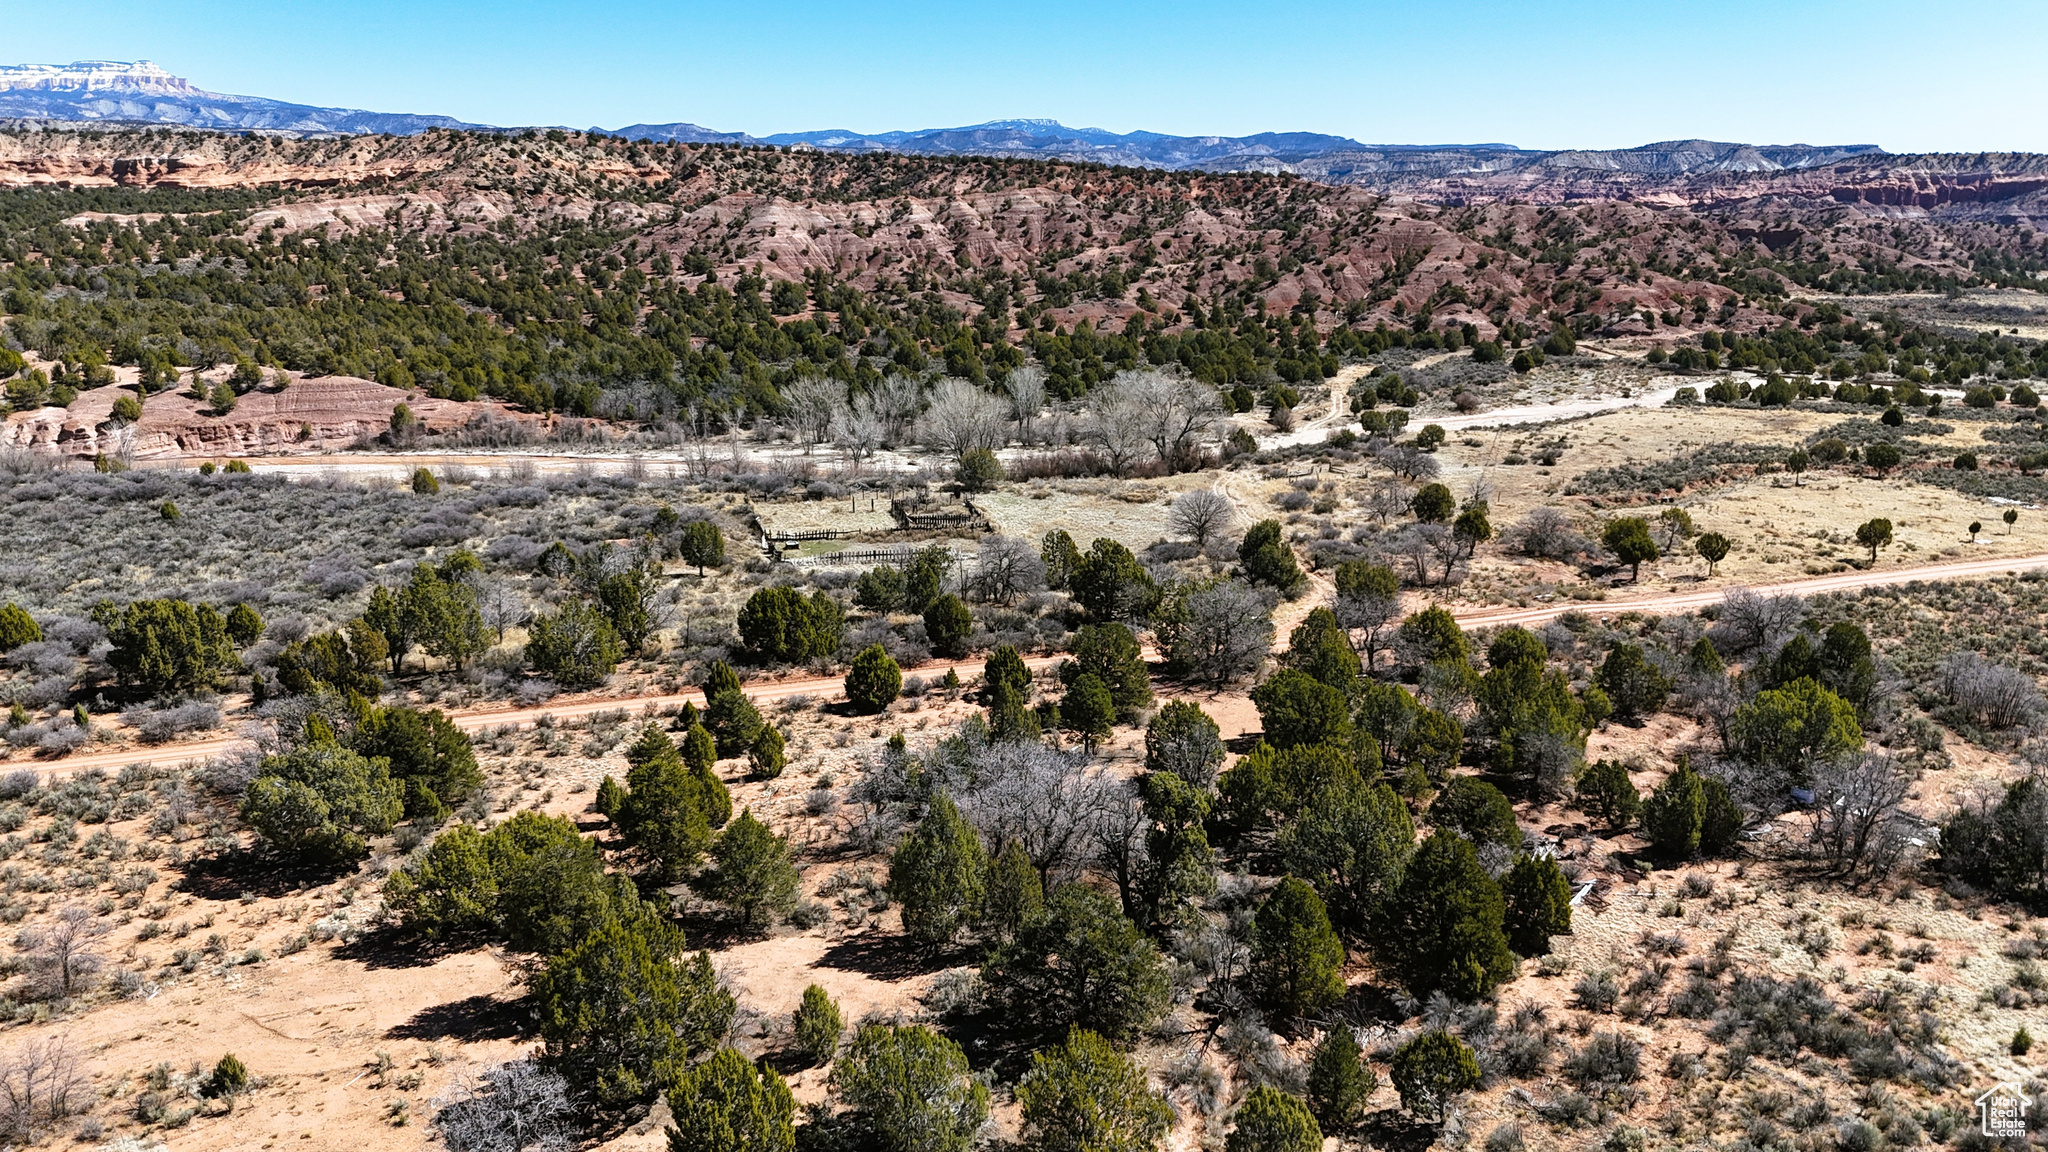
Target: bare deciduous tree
{"x":1749,"y":622}
{"x":1006,"y":567}
{"x":961,"y":417}
{"x":41,"y":1083}
{"x":897,"y":400}
{"x":1046,"y":799}
{"x":1026,"y":387}
{"x":62,"y":951}
{"x":1202,"y":515}
{"x":858,"y":428}
{"x":1856,"y":823}
{"x":1116,"y":425}
{"x":1118,"y":836}
{"x":514,"y":1107}
{"x":1993,"y":694}
{"x":811,"y":400}
{"x":1389,"y":498}
{"x":1216,"y":632}
{"x":501,"y":604}
{"x":1179,"y":414}
{"x":1408,"y":461}
{"x":1369,"y":614}
{"x":1547,"y":533}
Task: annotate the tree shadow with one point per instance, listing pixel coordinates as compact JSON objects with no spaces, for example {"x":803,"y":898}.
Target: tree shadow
{"x":473,"y":1018}
{"x":886,"y":958}
{"x":392,"y":947}
{"x":1393,"y":1130}
{"x":229,"y":875}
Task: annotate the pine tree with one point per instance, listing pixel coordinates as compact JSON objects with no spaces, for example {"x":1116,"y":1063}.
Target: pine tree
{"x":1339,"y":1081}
{"x":1442,"y":930}
{"x":817,"y":1025}
{"x":1538,"y":904}
{"x":1297,"y":960}
{"x":939,"y":875}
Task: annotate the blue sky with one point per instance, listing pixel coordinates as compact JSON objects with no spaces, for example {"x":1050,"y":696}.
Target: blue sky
{"x":1959,"y":75}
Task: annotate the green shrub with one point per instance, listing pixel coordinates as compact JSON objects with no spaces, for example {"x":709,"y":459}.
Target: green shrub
{"x":909,"y":1087}
{"x":1477,"y":809}
{"x":874,"y":680}
{"x":575,"y":645}
{"x":728,"y":1104}
{"x":622,"y":1009}
{"x":752,"y":872}
{"x":1339,"y":1081}
{"x":1442,"y":929}
{"x":1431,"y":1070}
{"x":947,"y":624}
{"x":1085,"y":1096}
{"x":1082,"y":964}
{"x":320,"y":802}
{"x":17,"y":627}
{"x":1538,"y":904}
{"x":1270,"y":1120}
{"x":817,"y":1025}
{"x":938,"y":875}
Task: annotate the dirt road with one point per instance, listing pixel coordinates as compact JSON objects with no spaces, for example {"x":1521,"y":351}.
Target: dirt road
{"x":1812,"y":585}
{"x":472,"y":720}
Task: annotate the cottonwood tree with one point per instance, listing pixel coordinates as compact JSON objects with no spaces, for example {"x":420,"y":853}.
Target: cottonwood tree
{"x":809,"y":402}
{"x":1005,"y":568}
{"x":1026,"y":388}
{"x":1989,"y":693}
{"x":1117,"y":427}
{"x":1749,"y":621}
{"x":962,"y":417}
{"x":1177,"y":414}
{"x":858,"y":428}
{"x":1547,"y":533}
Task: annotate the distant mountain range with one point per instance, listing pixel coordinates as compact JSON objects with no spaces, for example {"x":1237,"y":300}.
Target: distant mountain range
{"x":142,"y":92}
